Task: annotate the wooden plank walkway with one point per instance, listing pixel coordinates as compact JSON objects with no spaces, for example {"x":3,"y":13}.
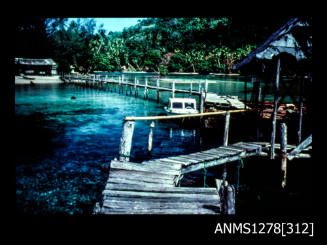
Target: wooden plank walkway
{"x":150,"y":187}
{"x":139,"y":188}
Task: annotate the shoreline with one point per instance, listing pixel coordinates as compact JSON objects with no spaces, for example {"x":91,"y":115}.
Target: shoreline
{"x":37,"y":79}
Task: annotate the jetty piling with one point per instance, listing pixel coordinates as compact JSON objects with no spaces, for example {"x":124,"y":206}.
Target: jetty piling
{"x":152,"y":125}
{"x":126,"y":140}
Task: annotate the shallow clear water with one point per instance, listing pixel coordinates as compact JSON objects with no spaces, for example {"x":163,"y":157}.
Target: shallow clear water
{"x":64,"y":145}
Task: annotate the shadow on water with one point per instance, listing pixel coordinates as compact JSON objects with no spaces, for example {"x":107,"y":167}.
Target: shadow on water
{"x":34,"y":135}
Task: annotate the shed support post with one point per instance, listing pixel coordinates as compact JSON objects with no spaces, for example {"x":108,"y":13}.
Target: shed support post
{"x":299,"y":133}
{"x":273,"y":131}
{"x":283,"y":145}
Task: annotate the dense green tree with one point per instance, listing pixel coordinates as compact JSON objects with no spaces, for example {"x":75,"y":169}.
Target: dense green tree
{"x":189,"y":44}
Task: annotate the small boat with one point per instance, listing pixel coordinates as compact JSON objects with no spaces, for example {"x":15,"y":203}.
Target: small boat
{"x":181,"y":106}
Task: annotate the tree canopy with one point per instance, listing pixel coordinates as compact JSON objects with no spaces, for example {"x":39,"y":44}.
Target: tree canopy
{"x":190,"y":44}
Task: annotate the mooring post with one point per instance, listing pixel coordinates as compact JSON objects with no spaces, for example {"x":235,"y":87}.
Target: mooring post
{"x":226,"y":131}
{"x":158,"y":91}
{"x":119,"y":85}
{"x":170,"y":133}
{"x":126,"y":140}
{"x":145,"y":93}
{"x":150,"y":137}
{"x":191,"y":88}
{"x":201,"y":101}
{"x":273,"y":131}
{"x":283,"y":148}
{"x":225,"y":141}
{"x":135,"y":86}
{"x":206,"y":88}
{"x":173,"y":89}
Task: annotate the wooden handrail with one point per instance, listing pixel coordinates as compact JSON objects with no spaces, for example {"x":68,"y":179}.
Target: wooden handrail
{"x":182,"y":116}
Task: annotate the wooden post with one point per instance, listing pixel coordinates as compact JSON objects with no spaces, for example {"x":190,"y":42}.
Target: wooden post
{"x":126,"y":140}
{"x":226,"y":194}
{"x":206,"y":88}
{"x":245,"y":92}
{"x":225,"y":142}
{"x":119,"y":85}
{"x":173,"y":90}
{"x":283,"y":145}
{"x":191,"y":88}
{"x":158,"y":91}
{"x":226,"y":132}
{"x":145,"y":94}
{"x":150,"y":137}
{"x":230,"y":200}
{"x":135,"y":86}
{"x":299,"y":132}
{"x":273,"y":131}
{"x":201,"y":101}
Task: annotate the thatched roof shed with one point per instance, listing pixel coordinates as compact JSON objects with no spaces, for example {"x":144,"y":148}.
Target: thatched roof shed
{"x":292,"y":39}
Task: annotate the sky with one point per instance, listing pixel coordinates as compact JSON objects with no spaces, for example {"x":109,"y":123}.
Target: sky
{"x":115,"y":24}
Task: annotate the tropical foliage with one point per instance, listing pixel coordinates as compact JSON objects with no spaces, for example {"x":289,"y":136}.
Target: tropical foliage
{"x":154,"y":44}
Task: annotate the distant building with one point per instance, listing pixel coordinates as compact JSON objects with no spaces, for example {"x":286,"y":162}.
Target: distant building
{"x":35,"y":66}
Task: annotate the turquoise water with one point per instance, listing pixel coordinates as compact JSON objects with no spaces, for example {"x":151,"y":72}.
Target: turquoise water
{"x":64,"y":145}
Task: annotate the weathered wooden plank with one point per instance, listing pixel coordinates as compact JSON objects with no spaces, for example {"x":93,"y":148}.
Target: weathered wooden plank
{"x":230,"y":149}
{"x":164,"y":189}
{"x":208,"y":164}
{"x":181,"y":160}
{"x":158,"y":211}
{"x":123,"y":204}
{"x":217,"y":152}
{"x":138,"y":174}
{"x":252,"y":144}
{"x":243,"y":148}
{"x":160,"y":195}
{"x":247,"y":147}
{"x":195,"y":158}
{"x":149,"y":206}
{"x":188,"y":159}
{"x":143,"y":181}
{"x":169,"y":159}
{"x":163,"y":164}
{"x":142,"y":168}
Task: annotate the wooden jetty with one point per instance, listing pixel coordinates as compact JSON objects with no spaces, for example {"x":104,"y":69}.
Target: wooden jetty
{"x":119,"y":84}
{"x":152,"y":187}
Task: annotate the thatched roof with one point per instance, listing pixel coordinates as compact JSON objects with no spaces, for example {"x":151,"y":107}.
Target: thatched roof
{"x":288,"y":39}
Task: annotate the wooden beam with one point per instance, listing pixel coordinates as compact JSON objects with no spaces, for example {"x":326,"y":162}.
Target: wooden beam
{"x":299,"y":148}
{"x":182,"y":116}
